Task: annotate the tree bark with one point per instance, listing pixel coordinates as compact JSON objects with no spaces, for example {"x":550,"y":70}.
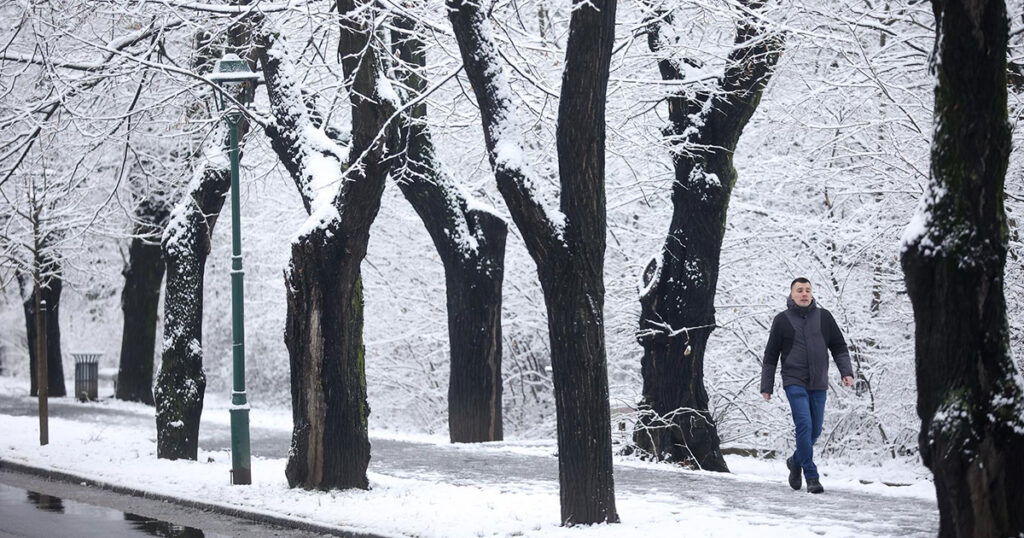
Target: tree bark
{"x":181,"y":383}
{"x":140,"y":300}
{"x":50,"y":294}
{"x":471,"y":243}
{"x":474,"y":331}
{"x":569,"y":254}
{"x":330,"y":445}
{"x":324,"y":326}
{"x":678,"y":297}
{"x":970,"y":398}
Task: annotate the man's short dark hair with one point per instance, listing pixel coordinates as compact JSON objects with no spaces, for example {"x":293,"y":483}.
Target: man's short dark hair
{"x":800,"y":280}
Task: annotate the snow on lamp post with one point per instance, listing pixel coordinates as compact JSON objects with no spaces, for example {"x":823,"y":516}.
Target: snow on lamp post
{"x":236,"y":83}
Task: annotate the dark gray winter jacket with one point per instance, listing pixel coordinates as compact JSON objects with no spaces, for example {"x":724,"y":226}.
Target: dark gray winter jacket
{"x":801,"y":335}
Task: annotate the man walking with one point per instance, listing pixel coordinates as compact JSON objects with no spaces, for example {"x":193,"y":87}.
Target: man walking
{"x":800,"y":335}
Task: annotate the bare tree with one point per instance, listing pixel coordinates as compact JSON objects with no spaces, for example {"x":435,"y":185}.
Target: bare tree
{"x":470,"y":238}
{"x":969,"y":394}
{"x":567,"y":245}
{"x":678,"y":295}
{"x":140,"y":299}
{"x":324,"y":328}
{"x":181,"y":382}
{"x":31,"y":244}
{"x":50,"y":181}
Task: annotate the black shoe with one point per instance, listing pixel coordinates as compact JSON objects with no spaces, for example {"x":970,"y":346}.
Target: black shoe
{"x":794,"y":473}
{"x":814,"y":486}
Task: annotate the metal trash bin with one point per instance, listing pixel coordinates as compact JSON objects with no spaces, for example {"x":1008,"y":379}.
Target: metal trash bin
{"x":87,"y":366}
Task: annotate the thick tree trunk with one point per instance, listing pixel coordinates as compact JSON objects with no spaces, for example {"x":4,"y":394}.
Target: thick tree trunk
{"x":324,"y":327}
{"x":181,"y":383}
{"x":471,"y":244}
{"x":474,"y":332}
{"x":324,"y":334}
{"x":970,"y":398}
{"x":678,"y":297}
{"x":569,"y":253}
{"x":140,"y":302}
{"x":473,"y":280}
{"x":54,"y":362}
{"x":677,"y":317}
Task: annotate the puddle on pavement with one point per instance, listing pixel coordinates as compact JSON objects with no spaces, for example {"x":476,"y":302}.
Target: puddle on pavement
{"x":28,"y":513}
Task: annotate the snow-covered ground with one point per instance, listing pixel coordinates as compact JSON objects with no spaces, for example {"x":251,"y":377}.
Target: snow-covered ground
{"x":423,"y":486}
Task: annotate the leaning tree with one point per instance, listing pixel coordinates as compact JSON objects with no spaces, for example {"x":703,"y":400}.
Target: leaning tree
{"x":186,"y":243}
{"x":677,"y":300}
{"x":567,"y":244}
{"x":969,"y":394}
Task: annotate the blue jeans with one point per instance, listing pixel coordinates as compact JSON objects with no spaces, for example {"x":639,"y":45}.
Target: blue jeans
{"x":808,"y":408}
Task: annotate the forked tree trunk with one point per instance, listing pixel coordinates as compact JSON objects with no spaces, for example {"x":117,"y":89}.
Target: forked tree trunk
{"x":181,"y":383}
{"x":51,"y":292}
{"x":969,"y":394}
{"x":470,"y":239}
{"x":324,"y":327}
{"x":140,"y":301}
{"x":569,"y":255}
{"x":678,"y":296}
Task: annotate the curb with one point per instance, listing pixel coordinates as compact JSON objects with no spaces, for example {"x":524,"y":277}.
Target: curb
{"x":258,"y":517}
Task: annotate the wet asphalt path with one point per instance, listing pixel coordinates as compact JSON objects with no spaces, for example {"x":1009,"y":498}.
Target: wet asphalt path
{"x":31,"y":506}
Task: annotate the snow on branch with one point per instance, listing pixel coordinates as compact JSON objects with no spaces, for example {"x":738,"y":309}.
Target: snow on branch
{"x":920,"y":232}
{"x":213,"y":162}
{"x":502,"y":131}
{"x":314,"y":159}
{"x":112,"y":48}
{"x":228,"y":9}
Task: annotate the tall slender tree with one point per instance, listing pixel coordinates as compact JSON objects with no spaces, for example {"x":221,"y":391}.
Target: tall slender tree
{"x":470,"y":239}
{"x":677,"y":301}
{"x":969,"y":394}
{"x":567,"y":244}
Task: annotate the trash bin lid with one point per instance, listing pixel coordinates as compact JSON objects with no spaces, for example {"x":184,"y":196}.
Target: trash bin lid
{"x":86,"y":356}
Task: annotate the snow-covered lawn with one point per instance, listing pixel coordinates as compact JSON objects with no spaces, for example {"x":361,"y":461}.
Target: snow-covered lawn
{"x":424,"y":504}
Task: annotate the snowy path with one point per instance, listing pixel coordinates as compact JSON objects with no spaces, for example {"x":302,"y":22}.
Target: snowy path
{"x":754,"y":500}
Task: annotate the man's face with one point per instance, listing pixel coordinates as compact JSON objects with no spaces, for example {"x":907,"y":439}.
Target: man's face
{"x":801,"y":293}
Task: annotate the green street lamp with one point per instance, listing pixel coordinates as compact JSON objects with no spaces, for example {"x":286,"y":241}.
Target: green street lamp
{"x":236,"y":86}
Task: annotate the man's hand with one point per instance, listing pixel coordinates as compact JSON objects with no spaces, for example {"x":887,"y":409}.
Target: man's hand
{"x":766,"y":395}
{"x":848,"y":380}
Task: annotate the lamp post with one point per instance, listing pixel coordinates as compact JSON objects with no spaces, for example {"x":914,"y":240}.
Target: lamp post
{"x":235,"y":79}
